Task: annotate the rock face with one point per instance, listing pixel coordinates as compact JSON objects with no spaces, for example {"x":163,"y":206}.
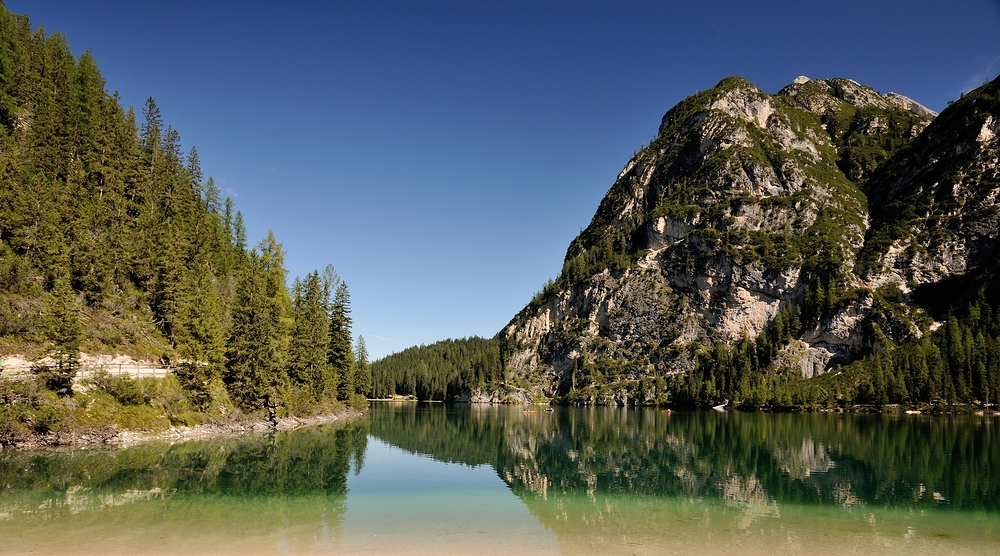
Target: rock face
{"x":827,"y":200}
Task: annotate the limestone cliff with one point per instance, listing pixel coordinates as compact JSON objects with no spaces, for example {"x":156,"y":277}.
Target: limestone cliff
{"x":828,"y":201}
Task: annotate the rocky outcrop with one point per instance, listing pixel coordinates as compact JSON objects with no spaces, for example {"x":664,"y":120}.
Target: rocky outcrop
{"x":911,"y":105}
{"x":935,"y":214}
{"x":749,"y":204}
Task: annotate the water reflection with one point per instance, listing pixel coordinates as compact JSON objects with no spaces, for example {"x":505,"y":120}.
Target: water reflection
{"x":909,"y":461}
{"x":283,"y":493}
{"x":616,"y":480}
{"x":596,"y":480}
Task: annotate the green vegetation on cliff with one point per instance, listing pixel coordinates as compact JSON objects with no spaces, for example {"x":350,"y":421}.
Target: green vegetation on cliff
{"x":822,"y":229}
{"x":950,"y":186}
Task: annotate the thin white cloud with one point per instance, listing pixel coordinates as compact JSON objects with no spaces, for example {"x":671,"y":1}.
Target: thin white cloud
{"x":232,"y":192}
{"x":988,"y":73}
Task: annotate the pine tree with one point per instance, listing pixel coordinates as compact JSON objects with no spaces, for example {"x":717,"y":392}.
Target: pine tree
{"x":308,"y":365}
{"x":340,"y":354}
{"x":363,"y":376}
{"x":65,"y":332}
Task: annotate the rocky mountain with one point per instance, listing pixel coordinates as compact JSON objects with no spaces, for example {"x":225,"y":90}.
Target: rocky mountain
{"x":825,"y":222}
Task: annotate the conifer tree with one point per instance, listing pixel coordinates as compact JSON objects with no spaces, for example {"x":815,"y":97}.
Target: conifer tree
{"x":194,"y":172}
{"x":151,"y":131}
{"x":239,"y":232}
{"x":272,"y":257}
{"x":308,"y":365}
{"x":363,"y":374}
{"x":201,"y":340}
{"x":331,"y":280}
{"x":340,"y":354}
{"x":212,"y":196}
{"x":251,"y":374}
{"x":65,"y":332}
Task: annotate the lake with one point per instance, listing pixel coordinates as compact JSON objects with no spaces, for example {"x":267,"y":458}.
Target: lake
{"x":429,"y":479}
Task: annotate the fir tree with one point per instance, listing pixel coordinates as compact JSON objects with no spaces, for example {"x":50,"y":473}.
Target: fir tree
{"x":65,"y":333}
{"x":363,"y":374}
{"x":212,"y":196}
{"x":251,"y":374}
{"x":201,"y":340}
{"x":239,"y":232}
{"x":308,"y":365}
{"x":194,"y":172}
{"x":340,"y":354}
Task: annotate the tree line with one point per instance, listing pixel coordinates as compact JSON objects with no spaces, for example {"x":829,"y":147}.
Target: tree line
{"x":958,"y":363}
{"x":440,"y":371}
{"x":112,"y":239}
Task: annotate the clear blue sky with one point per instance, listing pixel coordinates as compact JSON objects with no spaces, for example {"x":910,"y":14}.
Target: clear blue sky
{"x":442,"y":155}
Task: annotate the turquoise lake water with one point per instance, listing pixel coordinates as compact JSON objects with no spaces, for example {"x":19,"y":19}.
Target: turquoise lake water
{"x":429,"y":479}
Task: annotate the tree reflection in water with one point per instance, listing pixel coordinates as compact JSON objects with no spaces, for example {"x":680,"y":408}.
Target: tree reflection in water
{"x":910,"y":461}
{"x":605,"y":478}
{"x":249,"y":492}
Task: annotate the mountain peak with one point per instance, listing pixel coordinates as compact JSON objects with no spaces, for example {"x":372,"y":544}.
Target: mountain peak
{"x":746,"y":209}
{"x":907,"y":103}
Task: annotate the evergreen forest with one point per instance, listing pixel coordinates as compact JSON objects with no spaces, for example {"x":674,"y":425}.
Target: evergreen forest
{"x":958,"y":363}
{"x":441,"y":371}
{"x":112,"y":240}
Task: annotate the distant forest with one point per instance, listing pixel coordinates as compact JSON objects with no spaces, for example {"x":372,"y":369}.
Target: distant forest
{"x":113,"y":241}
{"x":441,"y":371}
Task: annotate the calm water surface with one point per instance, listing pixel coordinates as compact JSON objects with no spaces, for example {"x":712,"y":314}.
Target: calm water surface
{"x":426,"y":479}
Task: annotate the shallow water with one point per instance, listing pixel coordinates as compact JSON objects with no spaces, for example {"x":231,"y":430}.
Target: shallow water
{"x":426,"y":479}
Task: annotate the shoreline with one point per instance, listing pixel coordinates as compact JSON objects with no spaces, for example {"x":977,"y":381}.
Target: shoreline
{"x":111,"y":437}
{"x":919,"y":408}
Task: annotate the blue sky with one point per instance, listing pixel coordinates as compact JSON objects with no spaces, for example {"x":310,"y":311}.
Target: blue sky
{"x":442,"y":155}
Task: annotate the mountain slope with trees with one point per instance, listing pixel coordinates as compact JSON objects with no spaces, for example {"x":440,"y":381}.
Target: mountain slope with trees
{"x":443,"y":371}
{"x":763,"y":240}
{"x":113,"y":241}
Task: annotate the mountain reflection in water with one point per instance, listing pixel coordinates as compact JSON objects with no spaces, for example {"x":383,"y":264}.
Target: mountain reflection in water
{"x":648,"y":481}
{"x":759,"y":458}
{"x":496,"y":479}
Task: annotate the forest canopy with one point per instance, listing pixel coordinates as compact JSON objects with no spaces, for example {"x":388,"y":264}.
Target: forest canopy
{"x":112,"y":240}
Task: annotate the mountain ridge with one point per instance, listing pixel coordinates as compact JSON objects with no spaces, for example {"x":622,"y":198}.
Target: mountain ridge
{"x":749,"y":206}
